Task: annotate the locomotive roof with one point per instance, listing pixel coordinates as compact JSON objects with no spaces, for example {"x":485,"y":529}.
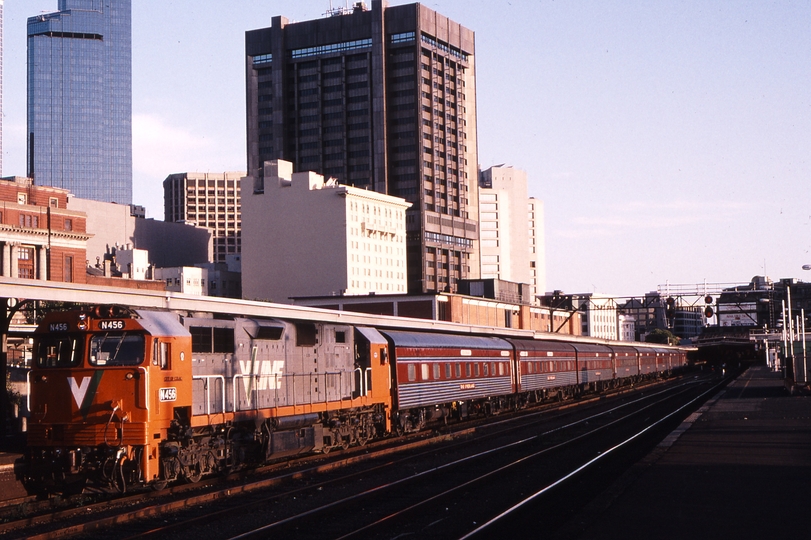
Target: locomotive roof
{"x":161,"y":323}
{"x":424,"y":339}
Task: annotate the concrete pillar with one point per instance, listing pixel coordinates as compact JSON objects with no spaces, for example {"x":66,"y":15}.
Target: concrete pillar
{"x":42,"y":261}
{"x":15,"y":266}
{"x":6,"y":259}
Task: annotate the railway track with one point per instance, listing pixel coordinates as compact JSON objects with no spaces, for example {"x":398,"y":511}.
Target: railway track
{"x":373,"y":478}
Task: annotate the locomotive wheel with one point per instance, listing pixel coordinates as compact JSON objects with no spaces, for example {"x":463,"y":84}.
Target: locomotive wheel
{"x":193,"y":473}
{"x":363,"y":438}
{"x":159,"y":485}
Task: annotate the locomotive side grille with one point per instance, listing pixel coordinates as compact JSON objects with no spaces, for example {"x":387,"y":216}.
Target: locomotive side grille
{"x":85,"y":434}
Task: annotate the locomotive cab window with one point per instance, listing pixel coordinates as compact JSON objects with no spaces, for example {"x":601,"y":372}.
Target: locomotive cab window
{"x":116,"y":349}
{"x":61,"y":351}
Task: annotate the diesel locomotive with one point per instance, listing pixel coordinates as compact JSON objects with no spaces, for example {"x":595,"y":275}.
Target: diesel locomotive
{"x":129,"y":398}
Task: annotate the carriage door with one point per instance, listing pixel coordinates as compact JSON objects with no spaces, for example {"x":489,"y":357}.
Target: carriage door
{"x":371,"y":364}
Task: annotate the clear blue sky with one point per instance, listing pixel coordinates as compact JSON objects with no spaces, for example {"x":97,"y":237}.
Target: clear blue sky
{"x":670,"y":141}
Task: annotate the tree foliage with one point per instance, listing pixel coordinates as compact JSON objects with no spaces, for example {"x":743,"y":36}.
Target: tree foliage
{"x":662,"y":336}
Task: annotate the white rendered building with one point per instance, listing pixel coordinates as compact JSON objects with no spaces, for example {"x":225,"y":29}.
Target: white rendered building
{"x":184,"y":279}
{"x":304,"y":236}
{"x":599,"y":316}
{"x":511,"y":229}
{"x":133,"y":262}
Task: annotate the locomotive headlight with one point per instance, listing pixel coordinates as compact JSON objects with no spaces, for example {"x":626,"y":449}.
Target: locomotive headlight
{"x":43,"y":378}
{"x":82,"y":326}
{"x":128,"y":376}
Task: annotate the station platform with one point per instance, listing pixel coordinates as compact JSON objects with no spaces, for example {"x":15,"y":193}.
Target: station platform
{"x":740,"y":467}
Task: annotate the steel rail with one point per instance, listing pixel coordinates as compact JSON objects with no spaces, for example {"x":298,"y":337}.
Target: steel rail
{"x":600,"y":456}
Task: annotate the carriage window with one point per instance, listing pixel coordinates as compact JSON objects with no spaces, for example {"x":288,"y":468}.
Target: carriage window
{"x":110,"y":349}
{"x":340,"y":336}
{"x":529,"y":367}
{"x":64,"y":351}
{"x":476,"y":369}
{"x":501,"y":368}
{"x":447,"y":371}
{"x":467,"y":369}
{"x":412,"y":372}
{"x":458,"y":370}
{"x":493,"y":368}
{"x":486,"y":367}
{"x":436,"y":371}
{"x":425,"y":373}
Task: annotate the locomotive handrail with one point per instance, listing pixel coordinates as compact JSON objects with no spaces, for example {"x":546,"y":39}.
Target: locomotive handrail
{"x":208,"y":392}
{"x":369,"y":381}
{"x":28,"y":390}
{"x":146,"y":387}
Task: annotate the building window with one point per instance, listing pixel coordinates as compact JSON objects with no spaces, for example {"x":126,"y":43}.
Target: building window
{"x":68,"y":271}
{"x":53,"y":202}
{"x":22,"y":198}
{"x":68,"y":224}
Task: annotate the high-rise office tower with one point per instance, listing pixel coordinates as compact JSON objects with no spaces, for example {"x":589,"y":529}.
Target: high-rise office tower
{"x":208,"y":200}
{"x":382,"y":99}
{"x":80,"y":99}
{"x":512,"y":233}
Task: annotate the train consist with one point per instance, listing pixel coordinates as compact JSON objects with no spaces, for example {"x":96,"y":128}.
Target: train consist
{"x":127,"y":398}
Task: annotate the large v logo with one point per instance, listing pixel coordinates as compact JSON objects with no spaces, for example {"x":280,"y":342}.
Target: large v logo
{"x":84,"y":391}
{"x":79,"y":390}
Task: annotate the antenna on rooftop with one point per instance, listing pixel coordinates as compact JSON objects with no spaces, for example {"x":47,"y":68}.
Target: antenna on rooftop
{"x":336,"y":11}
{"x":345,"y":10}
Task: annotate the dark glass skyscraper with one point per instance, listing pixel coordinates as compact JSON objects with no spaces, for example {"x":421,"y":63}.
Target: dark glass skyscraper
{"x":80,"y":99}
{"x":382,"y":99}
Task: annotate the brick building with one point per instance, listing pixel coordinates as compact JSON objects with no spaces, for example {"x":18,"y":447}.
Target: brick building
{"x":40,"y":238}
